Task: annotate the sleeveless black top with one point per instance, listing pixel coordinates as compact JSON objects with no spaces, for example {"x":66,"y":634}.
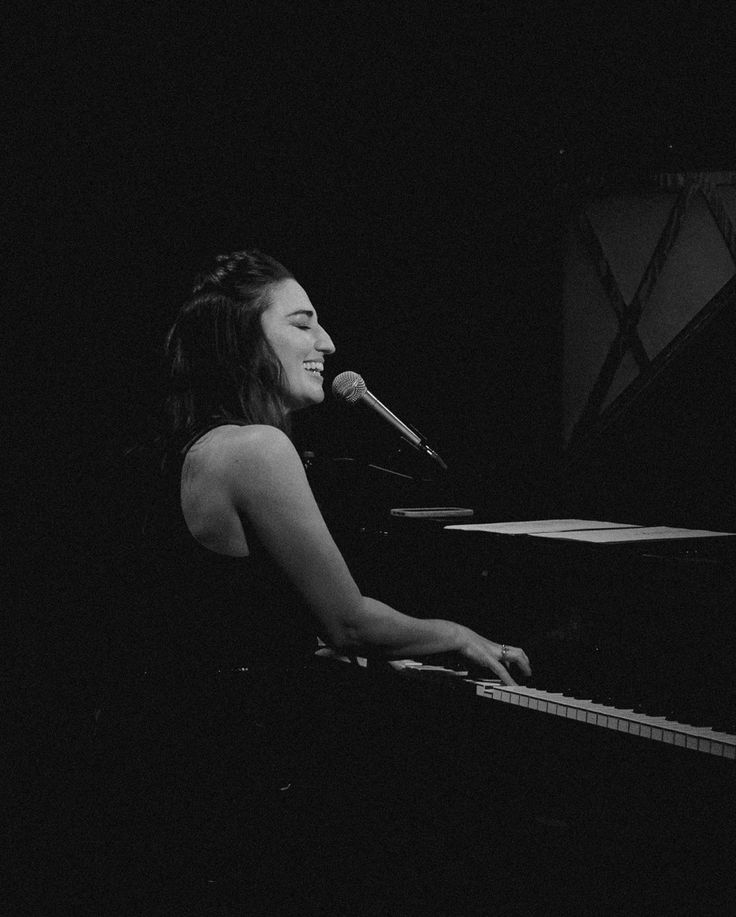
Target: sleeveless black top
{"x":213,"y":611}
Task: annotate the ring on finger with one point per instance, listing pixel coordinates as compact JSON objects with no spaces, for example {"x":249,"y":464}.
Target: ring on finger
{"x":504,"y":654}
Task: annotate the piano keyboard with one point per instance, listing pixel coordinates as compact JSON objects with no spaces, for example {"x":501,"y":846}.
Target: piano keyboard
{"x":658,"y":729}
{"x":655,"y":728}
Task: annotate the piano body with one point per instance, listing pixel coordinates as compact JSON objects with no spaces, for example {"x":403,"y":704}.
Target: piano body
{"x":626,"y":733}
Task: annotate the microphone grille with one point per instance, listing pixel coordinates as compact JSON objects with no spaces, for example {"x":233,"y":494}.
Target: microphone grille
{"x":349,"y":386}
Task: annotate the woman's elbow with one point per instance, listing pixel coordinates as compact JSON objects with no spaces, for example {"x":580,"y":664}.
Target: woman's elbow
{"x":344,"y":643}
{"x":346,"y":625}
{"x":343,"y":637}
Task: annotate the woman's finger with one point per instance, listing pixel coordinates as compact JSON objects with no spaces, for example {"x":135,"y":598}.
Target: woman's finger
{"x":501,"y":671}
{"x":517,"y":656}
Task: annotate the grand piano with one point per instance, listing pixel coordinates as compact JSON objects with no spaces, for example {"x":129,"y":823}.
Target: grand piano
{"x":626,"y":732}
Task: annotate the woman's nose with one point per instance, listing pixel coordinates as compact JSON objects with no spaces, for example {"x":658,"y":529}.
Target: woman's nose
{"x":324,"y":343}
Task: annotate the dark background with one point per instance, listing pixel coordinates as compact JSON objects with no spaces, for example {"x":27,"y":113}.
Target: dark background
{"x":413,"y":163}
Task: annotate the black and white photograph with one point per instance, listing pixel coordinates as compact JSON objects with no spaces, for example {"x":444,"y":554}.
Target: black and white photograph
{"x":370,"y":522}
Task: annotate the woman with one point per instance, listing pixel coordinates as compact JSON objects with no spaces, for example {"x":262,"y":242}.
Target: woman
{"x":246,"y":351}
{"x":244,"y":756}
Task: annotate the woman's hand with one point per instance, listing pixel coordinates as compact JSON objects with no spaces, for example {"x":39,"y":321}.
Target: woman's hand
{"x":494,"y":656}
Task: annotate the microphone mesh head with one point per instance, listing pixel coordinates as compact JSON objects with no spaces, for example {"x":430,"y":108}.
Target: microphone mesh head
{"x":349,"y":386}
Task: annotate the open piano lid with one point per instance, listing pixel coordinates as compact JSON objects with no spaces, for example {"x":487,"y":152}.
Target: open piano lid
{"x":664,"y":452}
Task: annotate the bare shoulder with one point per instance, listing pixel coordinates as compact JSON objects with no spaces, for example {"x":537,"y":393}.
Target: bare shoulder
{"x":237,"y":454}
{"x":252,"y":443}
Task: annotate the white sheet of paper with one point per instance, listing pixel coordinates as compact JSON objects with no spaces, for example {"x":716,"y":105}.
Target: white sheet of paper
{"x":642,"y":533}
{"x":537,"y":526}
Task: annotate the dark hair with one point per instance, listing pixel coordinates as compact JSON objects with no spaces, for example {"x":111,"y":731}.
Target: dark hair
{"x":218,"y":359}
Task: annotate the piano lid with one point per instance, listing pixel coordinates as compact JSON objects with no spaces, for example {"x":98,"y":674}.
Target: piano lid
{"x":664,"y":451}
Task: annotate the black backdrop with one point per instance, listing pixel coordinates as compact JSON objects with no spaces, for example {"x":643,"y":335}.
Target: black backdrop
{"x":411,"y":162}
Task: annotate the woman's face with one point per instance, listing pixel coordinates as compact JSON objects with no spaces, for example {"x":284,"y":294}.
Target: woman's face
{"x":291,"y":328}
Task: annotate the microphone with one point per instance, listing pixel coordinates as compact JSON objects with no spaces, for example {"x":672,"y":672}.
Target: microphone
{"x":352,"y":388}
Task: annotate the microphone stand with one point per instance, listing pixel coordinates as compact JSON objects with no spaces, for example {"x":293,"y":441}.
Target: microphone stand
{"x":423,"y":446}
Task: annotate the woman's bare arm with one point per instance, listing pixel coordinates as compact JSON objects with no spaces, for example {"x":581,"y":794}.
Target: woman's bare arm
{"x":266,"y":482}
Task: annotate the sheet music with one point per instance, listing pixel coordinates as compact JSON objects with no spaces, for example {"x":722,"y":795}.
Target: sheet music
{"x":638,"y":533}
{"x":537,"y":526}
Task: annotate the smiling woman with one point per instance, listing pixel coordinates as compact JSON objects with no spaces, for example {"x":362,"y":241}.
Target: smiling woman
{"x":240,"y":575}
{"x":245,"y":352}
